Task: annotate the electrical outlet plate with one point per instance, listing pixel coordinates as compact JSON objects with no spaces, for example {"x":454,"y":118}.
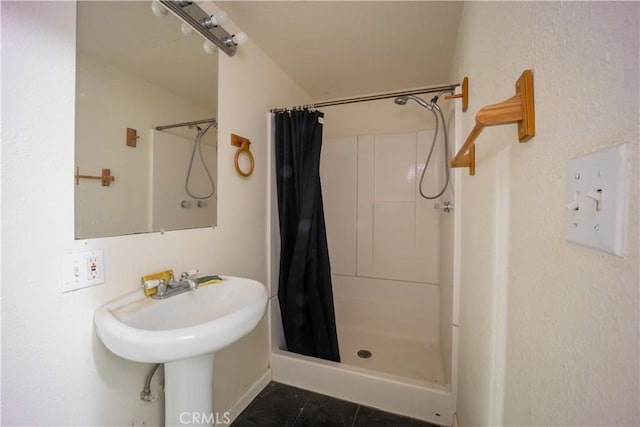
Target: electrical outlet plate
{"x":82,"y":269}
{"x":596,"y":199}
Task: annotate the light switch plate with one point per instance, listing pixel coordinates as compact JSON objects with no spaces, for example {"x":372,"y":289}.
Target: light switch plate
{"x":82,"y":269}
{"x":596,"y":194}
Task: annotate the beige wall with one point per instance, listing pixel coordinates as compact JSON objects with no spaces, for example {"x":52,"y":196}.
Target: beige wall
{"x":55,"y":371}
{"x":548,"y":329}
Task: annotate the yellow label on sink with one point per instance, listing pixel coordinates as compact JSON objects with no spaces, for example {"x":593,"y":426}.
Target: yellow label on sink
{"x":164,"y":275}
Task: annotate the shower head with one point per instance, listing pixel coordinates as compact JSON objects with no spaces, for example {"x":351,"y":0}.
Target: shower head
{"x":402,"y":100}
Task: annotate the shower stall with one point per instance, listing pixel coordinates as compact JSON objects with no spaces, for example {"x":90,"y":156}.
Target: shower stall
{"x":392,"y":263}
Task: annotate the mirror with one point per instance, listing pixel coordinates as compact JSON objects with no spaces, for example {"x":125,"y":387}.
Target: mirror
{"x":138,"y":71}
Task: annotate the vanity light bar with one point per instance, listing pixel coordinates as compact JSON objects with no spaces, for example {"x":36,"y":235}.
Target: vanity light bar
{"x":193,"y":16}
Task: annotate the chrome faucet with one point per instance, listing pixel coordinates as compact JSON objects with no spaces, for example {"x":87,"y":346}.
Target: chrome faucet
{"x":173,"y":287}
{"x":445,"y":207}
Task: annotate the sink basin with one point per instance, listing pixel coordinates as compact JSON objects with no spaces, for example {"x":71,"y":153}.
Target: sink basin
{"x":191,"y":324}
{"x":183,"y":332}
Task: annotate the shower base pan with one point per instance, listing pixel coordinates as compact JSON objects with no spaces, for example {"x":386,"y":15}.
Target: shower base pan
{"x":391,"y":355}
{"x":428,"y":401}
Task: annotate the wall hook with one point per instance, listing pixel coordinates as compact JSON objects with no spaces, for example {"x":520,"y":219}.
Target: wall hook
{"x":464,"y":94}
{"x":243,"y":143}
{"x":106,"y":177}
{"x":132,"y":137}
{"x":517,"y":109}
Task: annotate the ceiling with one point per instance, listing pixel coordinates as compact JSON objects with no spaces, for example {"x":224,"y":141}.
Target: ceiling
{"x":337,"y":49}
{"x":332,"y":49}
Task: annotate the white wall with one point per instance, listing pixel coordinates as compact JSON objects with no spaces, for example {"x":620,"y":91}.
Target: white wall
{"x":548,"y":329}
{"x":55,"y":370}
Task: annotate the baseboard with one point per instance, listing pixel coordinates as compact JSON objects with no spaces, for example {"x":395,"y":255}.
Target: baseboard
{"x":248,"y":397}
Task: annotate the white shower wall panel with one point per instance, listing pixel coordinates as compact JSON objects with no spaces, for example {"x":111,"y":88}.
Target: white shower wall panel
{"x":394,"y":159}
{"x":377,"y":224}
{"x":388,"y":307}
{"x":394,"y":241}
{"x":398,"y":233}
{"x":383,"y":238}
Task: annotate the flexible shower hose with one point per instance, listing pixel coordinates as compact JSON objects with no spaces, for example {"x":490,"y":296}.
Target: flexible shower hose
{"x":445,"y":151}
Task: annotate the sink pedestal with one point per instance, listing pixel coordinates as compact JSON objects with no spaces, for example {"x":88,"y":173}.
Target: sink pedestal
{"x":188,"y":396}
{"x":184,"y":332}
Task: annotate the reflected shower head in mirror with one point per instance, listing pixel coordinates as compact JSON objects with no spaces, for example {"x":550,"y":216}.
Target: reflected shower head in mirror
{"x":402,"y":100}
{"x":203,"y":130}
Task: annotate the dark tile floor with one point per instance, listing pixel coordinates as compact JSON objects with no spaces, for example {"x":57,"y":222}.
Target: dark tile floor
{"x":280,"y":405}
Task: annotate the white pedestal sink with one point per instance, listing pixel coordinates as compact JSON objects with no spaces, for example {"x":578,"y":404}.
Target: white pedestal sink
{"x":183,"y":332}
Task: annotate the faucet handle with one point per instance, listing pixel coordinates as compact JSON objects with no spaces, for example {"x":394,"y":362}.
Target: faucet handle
{"x":153,"y":283}
{"x":189,"y":273}
{"x":156,"y":283}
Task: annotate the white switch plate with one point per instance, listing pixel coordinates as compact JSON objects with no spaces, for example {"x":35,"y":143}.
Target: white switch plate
{"x":82,"y":269}
{"x":598,"y":224}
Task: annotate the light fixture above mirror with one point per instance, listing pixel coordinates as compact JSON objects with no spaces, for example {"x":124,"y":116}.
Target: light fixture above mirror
{"x":208,"y":26}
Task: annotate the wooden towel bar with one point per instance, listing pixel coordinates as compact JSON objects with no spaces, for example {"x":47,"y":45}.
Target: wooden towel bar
{"x":517,"y":109}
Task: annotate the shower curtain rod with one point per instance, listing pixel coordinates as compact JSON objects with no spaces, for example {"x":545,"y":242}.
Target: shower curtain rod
{"x":445,"y":88}
{"x":195,"y":122}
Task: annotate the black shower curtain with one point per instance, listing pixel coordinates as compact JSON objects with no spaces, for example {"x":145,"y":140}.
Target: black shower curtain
{"x":305,"y":292}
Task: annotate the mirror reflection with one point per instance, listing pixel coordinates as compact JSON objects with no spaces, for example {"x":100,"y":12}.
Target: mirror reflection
{"x":136,"y":72}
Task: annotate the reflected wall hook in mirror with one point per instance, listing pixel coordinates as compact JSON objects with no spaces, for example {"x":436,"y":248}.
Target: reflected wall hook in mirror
{"x":464,"y":94}
{"x":243,"y":143}
{"x":517,"y":109}
{"x":132,"y":137}
{"x":106,"y":177}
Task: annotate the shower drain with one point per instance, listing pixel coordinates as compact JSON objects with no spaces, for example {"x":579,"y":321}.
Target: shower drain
{"x":364,"y":354}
